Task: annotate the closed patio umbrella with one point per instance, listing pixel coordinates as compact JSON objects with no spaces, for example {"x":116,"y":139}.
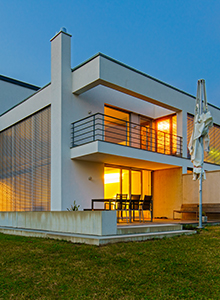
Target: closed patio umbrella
{"x":200,"y":138}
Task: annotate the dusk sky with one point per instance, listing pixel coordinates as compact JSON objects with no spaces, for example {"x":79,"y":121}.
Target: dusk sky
{"x":176,"y":41}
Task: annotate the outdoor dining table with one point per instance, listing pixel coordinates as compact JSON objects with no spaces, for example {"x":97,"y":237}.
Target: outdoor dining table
{"x":110,"y":201}
{"x":103,"y":201}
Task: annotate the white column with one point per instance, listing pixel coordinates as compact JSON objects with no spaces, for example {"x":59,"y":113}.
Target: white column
{"x":182,"y":130}
{"x":60,"y":116}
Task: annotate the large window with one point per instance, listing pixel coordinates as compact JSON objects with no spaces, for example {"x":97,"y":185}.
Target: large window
{"x":121,"y":180}
{"x":167,"y":135}
{"x":190,"y":120}
{"x":147,"y":134}
{"x":116,"y":126}
{"x":214,"y":145}
{"x":214,"y":135}
{"x":25,"y":155}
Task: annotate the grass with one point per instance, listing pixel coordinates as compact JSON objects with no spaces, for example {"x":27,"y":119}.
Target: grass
{"x":186,"y":267}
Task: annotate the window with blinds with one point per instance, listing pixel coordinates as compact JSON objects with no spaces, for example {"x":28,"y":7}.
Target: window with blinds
{"x":190,"y":120}
{"x":214,"y":135}
{"x":25,"y":155}
{"x":214,"y":145}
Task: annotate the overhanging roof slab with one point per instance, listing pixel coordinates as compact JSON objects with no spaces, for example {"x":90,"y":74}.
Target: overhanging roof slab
{"x":104,"y":152}
{"x":103,"y":70}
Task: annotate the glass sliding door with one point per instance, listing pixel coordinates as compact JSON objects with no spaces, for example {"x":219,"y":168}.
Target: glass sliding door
{"x":136,"y":182}
{"x":125,"y":182}
{"x":121,"y":180}
{"x":163,"y":136}
{"x":167,"y":135}
{"x":112,"y":182}
{"x":146,"y":186}
{"x":145,"y":127}
{"x":116,"y":126}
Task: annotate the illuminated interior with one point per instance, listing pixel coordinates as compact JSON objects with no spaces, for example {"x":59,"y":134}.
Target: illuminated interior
{"x":158,"y":135}
{"x":6,"y":197}
{"x":145,"y":133}
{"x":126,"y":181}
{"x":119,"y":180}
{"x":167,"y":135}
{"x":174,"y":134}
{"x":163,"y":136}
{"x":111,"y":182}
{"x":116,"y":126}
{"x":25,"y":164}
{"x":136,"y":182}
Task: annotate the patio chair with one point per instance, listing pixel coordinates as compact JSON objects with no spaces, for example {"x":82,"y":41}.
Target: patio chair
{"x":135,"y":206}
{"x":147,"y":205}
{"x":122,"y":205}
{"x":109,"y":205}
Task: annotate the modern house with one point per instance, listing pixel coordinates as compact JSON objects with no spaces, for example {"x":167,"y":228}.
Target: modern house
{"x":97,"y":130}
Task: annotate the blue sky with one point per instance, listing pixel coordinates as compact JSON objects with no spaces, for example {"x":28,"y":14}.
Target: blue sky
{"x":176,"y":41}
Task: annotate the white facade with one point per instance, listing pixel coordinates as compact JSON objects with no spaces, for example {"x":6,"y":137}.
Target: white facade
{"x":77,"y":173}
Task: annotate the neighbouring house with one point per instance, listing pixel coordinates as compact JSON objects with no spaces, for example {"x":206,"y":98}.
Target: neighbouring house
{"x":94,"y":131}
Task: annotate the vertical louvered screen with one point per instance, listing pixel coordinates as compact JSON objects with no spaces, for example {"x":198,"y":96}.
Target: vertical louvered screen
{"x":214,"y":145}
{"x":25,"y":155}
{"x":190,"y":120}
{"x":214,"y":135}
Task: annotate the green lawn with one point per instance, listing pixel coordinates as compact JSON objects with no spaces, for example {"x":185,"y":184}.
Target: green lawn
{"x":186,"y":267}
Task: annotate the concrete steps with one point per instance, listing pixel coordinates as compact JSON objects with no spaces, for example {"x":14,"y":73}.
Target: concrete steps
{"x":125,"y":233}
{"x":137,"y":237}
{"x":147,"y":228}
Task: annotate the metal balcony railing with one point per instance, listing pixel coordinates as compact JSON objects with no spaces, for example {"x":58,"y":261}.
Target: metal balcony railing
{"x":118,"y":131}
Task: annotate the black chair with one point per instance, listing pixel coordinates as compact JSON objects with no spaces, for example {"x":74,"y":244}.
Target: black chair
{"x":135,"y":206}
{"x":147,"y":205}
{"x":109,"y":205}
{"x":122,"y":205}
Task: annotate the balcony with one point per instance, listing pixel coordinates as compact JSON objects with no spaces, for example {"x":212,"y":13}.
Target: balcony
{"x":101,"y":127}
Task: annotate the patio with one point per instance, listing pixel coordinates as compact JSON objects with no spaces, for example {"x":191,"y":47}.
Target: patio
{"x":89,"y":227}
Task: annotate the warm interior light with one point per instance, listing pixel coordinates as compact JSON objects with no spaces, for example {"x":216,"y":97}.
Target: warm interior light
{"x":111,"y":178}
{"x":6,"y":195}
{"x":174,"y":130}
{"x":163,"y":126}
{"x":163,"y":136}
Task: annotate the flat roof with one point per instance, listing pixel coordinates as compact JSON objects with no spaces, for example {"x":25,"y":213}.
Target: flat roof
{"x":139,"y":72}
{"x":132,"y":69}
{"x":20,"y":83}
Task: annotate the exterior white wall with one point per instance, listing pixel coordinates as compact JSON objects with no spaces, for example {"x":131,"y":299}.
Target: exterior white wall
{"x":11,"y":94}
{"x":79,"y":222}
{"x":86,"y":182}
{"x":167,"y":192}
{"x":210,"y":188}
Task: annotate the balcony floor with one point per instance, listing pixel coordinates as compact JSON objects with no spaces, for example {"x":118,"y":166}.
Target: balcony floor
{"x":105,"y":152}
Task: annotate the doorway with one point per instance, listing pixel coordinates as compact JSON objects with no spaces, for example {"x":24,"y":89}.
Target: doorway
{"x":122,"y":180}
